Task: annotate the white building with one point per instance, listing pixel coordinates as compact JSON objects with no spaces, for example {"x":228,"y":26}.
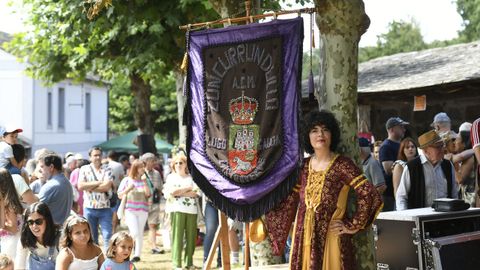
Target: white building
{"x":64,"y":117}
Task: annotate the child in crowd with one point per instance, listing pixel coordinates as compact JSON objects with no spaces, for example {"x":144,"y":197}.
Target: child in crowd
{"x":7,"y":160}
{"x":118,"y":252}
{"x":78,"y":250}
{"x":5,"y":262}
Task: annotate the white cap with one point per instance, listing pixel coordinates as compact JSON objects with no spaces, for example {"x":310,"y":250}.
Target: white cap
{"x":78,"y":156}
{"x":466,"y":126}
{"x":70,"y":159}
{"x":9,"y":129}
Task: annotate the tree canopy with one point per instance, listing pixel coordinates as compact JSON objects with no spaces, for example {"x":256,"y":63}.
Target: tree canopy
{"x":136,"y":42}
{"x":401,"y":37}
{"x":470,"y":12}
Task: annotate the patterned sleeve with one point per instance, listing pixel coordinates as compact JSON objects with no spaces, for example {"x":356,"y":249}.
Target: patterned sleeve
{"x":279,"y":220}
{"x":369,"y":201}
{"x":108,"y":176}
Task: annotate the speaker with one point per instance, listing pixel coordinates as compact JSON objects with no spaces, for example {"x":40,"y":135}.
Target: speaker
{"x":146,"y":144}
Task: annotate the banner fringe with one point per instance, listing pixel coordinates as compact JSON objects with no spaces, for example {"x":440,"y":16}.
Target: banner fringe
{"x":247,"y":212}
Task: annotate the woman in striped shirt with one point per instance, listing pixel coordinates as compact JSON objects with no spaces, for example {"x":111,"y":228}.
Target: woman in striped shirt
{"x":136,"y":208}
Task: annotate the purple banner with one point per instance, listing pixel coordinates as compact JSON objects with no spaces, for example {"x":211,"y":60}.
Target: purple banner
{"x":243,"y":98}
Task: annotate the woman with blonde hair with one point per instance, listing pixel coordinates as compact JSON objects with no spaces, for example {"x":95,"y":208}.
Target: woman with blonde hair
{"x":181,"y":192}
{"x":137,"y":192}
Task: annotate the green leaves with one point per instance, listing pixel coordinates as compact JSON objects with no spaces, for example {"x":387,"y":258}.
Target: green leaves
{"x":470,"y":12}
{"x":136,"y":38}
{"x":401,"y":37}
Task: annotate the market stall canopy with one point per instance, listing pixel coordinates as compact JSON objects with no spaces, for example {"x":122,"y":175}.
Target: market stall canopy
{"x":125,"y":143}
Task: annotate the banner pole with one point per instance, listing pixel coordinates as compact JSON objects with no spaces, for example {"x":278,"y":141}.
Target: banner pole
{"x":224,"y":244}
{"x":246,"y":18}
{"x":213,"y":249}
{"x":246,"y":259}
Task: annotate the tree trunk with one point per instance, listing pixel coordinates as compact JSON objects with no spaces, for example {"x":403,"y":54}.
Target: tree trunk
{"x":341,"y":24}
{"x":143,"y":114}
{"x":182,"y":129}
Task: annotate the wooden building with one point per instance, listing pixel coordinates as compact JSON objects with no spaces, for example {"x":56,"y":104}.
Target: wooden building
{"x":448,"y":78}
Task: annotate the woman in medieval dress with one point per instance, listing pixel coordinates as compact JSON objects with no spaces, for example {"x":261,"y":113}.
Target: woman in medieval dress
{"x":322,"y":237}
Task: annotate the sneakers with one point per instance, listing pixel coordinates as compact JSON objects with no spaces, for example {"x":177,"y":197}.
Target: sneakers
{"x":157,"y":251}
{"x":135,"y":259}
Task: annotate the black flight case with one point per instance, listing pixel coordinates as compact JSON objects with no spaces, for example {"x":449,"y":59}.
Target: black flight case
{"x":425,"y":240}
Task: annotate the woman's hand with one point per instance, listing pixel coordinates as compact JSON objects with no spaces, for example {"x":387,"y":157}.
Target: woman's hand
{"x":191,"y":194}
{"x":338,"y":228}
{"x":181,"y":192}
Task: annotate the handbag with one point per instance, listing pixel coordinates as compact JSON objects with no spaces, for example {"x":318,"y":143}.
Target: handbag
{"x":121,"y":208}
{"x":111,"y":195}
{"x":155,"y":192}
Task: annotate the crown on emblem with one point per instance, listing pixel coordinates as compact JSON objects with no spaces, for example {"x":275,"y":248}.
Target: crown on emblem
{"x":243,"y":109}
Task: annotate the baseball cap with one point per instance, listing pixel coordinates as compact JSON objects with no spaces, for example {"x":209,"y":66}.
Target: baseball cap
{"x":440,"y":118}
{"x":363,"y":142}
{"x":395,"y":121}
{"x":9,"y":129}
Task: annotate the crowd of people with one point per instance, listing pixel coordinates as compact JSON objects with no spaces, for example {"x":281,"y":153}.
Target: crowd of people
{"x":56,"y":212}
{"x":53,"y":208}
{"x":439,"y":164}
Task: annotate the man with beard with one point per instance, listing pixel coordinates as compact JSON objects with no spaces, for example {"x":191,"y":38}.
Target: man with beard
{"x":388,"y":154}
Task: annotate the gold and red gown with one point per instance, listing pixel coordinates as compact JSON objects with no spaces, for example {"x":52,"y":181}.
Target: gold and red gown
{"x":322,"y":197}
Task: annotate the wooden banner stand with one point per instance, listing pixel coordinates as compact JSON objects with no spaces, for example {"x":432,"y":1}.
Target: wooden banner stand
{"x":221,"y":236}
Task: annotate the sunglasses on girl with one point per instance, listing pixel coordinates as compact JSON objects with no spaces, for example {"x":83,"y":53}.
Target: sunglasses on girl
{"x":178,"y":163}
{"x":38,"y":221}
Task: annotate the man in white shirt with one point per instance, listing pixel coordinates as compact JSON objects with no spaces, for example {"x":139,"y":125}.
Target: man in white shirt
{"x":428,"y":176}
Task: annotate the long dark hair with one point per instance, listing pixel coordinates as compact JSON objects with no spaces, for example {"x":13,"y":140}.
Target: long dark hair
{"x":9,"y":193}
{"x":466,"y":139}
{"x":50,"y":236}
{"x":321,"y":118}
{"x":403,"y":144}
